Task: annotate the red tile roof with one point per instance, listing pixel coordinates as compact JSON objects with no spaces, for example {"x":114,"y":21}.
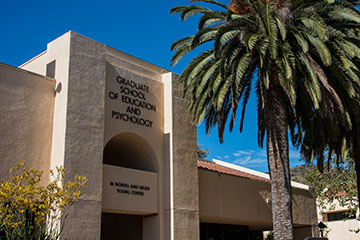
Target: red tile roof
{"x":226,"y":170}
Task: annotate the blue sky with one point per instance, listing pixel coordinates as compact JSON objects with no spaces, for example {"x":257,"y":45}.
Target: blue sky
{"x":141,"y":28}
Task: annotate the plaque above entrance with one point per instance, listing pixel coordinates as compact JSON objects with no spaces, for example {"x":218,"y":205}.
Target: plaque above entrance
{"x":129,"y":191}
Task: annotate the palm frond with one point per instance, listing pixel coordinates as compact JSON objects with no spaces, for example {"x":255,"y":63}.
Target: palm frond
{"x":247,"y":91}
{"x":188,"y":11}
{"x":212,"y":18}
{"x":301,"y":41}
{"x":240,"y":68}
{"x":321,"y":49}
{"x":282,"y":28}
{"x":195,"y":66}
{"x":180,"y":42}
{"x":253,"y":38}
{"x":311,"y":83}
{"x":182,"y":49}
{"x":313,"y":23}
{"x":339,"y":12}
{"x":205,"y":35}
{"x":212,"y":2}
{"x":270,"y":26}
{"x":205,"y":78}
{"x":225,"y":34}
{"x":223,"y":91}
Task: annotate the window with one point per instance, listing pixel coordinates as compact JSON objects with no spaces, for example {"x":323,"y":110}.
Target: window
{"x":50,"y":69}
{"x":335,"y":216}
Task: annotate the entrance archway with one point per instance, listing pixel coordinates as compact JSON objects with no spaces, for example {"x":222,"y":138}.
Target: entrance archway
{"x":133,"y":156}
{"x":130,"y":151}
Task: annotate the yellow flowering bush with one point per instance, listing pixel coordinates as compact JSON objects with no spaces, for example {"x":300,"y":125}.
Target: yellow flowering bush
{"x":29,"y":210}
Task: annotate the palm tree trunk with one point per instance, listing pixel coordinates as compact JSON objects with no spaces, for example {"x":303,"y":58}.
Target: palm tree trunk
{"x":276,"y":114}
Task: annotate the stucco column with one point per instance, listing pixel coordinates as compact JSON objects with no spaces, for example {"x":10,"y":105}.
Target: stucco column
{"x":183,"y":207}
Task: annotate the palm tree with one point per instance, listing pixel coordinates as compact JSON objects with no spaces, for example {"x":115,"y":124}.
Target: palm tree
{"x":278,"y":46}
{"x":337,"y":133}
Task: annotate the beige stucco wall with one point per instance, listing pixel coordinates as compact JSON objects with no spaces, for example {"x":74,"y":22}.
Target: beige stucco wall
{"x":234,"y":200}
{"x":27,"y":102}
{"x":342,"y":229}
{"x":304,"y":207}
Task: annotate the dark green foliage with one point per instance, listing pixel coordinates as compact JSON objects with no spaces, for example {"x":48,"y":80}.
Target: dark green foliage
{"x":202,"y":152}
{"x":336,"y":185}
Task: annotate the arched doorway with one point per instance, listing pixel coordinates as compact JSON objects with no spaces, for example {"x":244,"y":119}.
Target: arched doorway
{"x":129,"y":186}
{"x":130,"y":151}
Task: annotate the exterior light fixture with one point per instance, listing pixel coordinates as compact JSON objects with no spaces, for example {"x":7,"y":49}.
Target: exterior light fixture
{"x":322,"y":226}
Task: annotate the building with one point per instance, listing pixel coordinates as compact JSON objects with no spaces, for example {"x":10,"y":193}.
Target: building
{"x":122,"y":123}
{"x":339,"y":224}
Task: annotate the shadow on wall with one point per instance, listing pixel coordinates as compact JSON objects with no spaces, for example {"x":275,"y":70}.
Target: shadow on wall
{"x":130,"y":151}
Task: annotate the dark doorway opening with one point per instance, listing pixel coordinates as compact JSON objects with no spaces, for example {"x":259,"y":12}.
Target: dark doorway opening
{"x":215,"y":231}
{"x":121,"y":226}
